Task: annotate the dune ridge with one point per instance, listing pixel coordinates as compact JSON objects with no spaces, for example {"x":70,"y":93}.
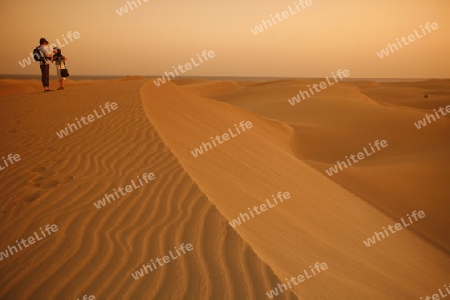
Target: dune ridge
{"x":341,"y":120}
{"x":96,"y":250}
{"x":323,"y":222}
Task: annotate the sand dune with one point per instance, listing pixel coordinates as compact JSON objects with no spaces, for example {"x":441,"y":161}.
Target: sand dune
{"x":96,"y":250}
{"x":192,"y":199}
{"x":342,"y":119}
{"x":323,"y":221}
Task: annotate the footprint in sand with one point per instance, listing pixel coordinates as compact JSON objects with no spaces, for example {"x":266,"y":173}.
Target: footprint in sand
{"x":30,"y":197}
{"x":45,"y":178}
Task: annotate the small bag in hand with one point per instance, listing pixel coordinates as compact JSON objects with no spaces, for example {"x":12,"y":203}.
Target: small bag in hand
{"x":64,"y":72}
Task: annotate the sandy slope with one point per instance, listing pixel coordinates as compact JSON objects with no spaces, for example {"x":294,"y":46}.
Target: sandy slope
{"x":411,"y":174}
{"x":96,"y":250}
{"x":323,"y":221}
{"x":20,"y":87}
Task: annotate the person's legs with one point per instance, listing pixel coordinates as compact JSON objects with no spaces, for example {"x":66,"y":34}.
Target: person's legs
{"x":45,"y":71}
{"x":43,"y":77}
{"x":61,"y":79}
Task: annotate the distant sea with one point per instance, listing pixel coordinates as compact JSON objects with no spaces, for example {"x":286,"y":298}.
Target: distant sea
{"x":103,"y":77}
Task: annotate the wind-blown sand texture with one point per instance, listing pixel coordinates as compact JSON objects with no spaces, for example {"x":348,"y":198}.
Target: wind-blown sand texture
{"x":192,"y":198}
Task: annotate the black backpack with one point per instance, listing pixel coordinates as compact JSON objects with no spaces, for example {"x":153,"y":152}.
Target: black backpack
{"x":37,"y":54}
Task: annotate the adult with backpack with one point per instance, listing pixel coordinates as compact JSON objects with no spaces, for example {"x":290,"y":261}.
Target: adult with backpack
{"x":45,"y":57}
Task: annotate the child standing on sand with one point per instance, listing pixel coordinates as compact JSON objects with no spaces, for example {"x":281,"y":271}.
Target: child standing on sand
{"x":59,"y":60}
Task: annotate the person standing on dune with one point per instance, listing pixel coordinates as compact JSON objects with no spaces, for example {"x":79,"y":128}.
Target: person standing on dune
{"x":46,"y":57}
{"x":59,"y":60}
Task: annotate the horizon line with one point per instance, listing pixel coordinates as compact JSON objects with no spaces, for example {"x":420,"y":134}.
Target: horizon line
{"x":234,"y":76}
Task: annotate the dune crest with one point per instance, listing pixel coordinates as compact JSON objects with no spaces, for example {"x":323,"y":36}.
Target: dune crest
{"x":322,"y":221}
{"x":95,"y":251}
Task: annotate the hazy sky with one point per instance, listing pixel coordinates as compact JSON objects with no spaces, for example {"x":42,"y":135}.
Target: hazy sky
{"x":150,"y":39}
